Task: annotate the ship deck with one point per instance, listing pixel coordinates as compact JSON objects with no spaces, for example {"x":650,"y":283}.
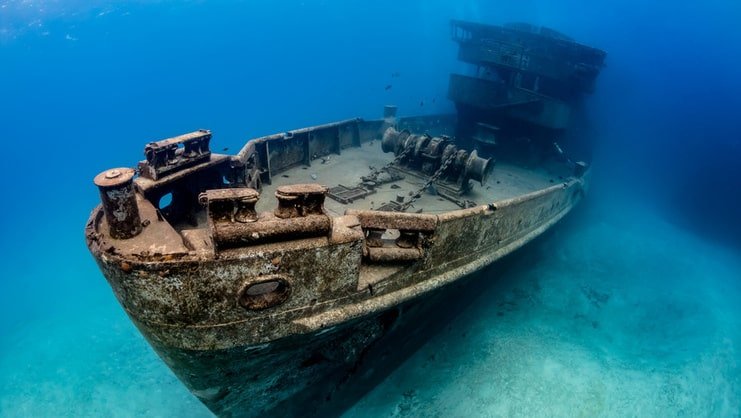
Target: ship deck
{"x":506,"y":181}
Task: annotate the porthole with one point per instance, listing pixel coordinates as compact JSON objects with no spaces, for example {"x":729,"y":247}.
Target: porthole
{"x":165,"y":201}
{"x":264,"y":294}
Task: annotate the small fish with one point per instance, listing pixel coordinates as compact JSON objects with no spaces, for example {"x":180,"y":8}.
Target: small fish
{"x":421,"y":103}
{"x":225,"y":149}
{"x":388,"y":87}
{"x":433,"y":99}
{"x":395,"y":74}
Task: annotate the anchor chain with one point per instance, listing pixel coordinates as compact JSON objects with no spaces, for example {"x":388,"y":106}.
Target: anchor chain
{"x":443,"y":167}
{"x":376,"y":171}
{"x":369,"y":182}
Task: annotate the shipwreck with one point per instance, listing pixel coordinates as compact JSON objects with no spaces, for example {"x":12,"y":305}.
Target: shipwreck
{"x":275,"y":280}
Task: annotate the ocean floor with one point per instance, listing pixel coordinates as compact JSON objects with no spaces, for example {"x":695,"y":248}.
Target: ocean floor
{"x":612,"y":315}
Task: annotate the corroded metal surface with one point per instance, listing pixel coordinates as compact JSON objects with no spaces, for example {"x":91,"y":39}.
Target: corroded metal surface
{"x":321,"y":373}
{"x":299,"y":277}
{"x":437,"y":157}
{"x":191,"y":301}
{"x":119,"y":202}
{"x":304,"y":277}
{"x":239,"y":362}
{"x":299,"y":200}
{"x":170,"y":155}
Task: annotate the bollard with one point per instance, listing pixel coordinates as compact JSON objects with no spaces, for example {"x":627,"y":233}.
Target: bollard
{"x":119,"y":202}
{"x":297,"y":200}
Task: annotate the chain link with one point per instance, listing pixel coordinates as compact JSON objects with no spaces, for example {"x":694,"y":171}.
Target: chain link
{"x":418,"y":194}
{"x":444,"y":166}
{"x":376,"y":171}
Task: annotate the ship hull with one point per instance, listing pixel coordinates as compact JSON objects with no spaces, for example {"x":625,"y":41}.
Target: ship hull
{"x":322,"y":370}
{"x":323,"y":373}
{"x":319,"y":374}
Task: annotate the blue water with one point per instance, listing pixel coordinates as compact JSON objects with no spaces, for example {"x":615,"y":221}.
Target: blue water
{"x":629,"y":308}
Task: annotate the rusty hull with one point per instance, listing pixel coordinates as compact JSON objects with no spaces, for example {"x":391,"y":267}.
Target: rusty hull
{"x":188,"y":300}
{"x":265,"y":299}
{"x":189,"y":291}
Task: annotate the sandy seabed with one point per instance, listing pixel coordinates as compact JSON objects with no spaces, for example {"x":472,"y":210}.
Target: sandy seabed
{"x":621,"y":316}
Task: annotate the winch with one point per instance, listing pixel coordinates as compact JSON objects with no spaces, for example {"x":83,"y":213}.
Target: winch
{"x":426,"y":154}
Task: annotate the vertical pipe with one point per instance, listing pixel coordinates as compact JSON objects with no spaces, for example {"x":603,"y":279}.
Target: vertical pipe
{"x":389,"y":118}
{"x":389,"y":112}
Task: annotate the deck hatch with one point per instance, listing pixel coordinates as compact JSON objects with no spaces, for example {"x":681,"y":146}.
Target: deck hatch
{"x":347,"y":195}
